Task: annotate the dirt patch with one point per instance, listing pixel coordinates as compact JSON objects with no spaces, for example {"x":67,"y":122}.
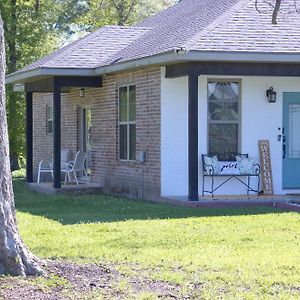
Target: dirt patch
{"x":68,"y":280}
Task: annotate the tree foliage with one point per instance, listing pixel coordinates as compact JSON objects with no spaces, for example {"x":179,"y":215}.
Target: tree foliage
{"x":27,"y":35}
{"x":34,"y":28}
{"x":120,"y":12}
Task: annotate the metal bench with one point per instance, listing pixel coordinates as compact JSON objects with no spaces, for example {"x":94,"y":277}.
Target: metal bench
{"x":231,"y":166}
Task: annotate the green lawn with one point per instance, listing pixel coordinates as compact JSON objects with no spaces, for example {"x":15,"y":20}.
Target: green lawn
{"x":229,"y":253}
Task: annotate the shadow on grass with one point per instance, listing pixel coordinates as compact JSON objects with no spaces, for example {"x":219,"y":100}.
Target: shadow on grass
{"x":68,"y":209}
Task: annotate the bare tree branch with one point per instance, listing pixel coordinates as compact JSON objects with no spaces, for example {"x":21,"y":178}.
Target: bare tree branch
{"x":37,"y":5}
{"x":130,"y":10}
{"x":123,"y":11}
{"x":275,"y":11}
{"x":296,"y":8}
{"x":275,"y":5}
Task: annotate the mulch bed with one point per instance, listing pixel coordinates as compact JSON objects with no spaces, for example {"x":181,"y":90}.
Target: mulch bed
{"x":68,"y":280}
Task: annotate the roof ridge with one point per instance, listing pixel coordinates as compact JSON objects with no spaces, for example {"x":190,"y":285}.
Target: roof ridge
{"x":125,"y":27}
{"x":115,"y":57}
{"x":212,"y":25}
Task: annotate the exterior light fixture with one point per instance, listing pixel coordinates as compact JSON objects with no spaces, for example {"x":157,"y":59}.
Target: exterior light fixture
{"x":82,"y":92}
{"x":271,"y":95}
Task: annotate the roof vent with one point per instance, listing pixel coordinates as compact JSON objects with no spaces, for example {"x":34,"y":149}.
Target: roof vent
{"x":181,"y":51}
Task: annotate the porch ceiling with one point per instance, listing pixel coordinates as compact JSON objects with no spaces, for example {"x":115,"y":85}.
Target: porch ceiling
{"x":49,"y":84}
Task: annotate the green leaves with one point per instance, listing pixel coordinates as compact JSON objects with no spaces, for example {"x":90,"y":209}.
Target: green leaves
{"x":119,"y":12}
{"x":35,"y":28}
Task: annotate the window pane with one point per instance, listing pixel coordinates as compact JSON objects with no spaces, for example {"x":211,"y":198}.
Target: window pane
{"x":294,"y":133}
{"x":132,"y":103}
{"x":123,"y":141}
{"x":215,"y":109}
{"x":49,"y":121}
{"x":49,"y":126}
{"x":215,"y":91}
{"x":49,"y":112}
{"x":123,"y":104}
{"x":223,"y":110}
{"x":223,"y":138}
{"x":231,"y":90}
{"x":223,"y":91}
{"x":132,"y":142}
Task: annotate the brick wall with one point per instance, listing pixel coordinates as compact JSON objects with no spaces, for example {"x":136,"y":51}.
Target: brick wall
{"x":132,"y":179}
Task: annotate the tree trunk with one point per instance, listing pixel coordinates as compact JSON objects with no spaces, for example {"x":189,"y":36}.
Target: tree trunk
{"x":15,"y":258}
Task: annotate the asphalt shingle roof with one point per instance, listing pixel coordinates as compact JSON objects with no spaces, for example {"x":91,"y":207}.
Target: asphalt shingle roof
{"x":176,"y":26}
{"x":200,"y":25}
{"x":243,"y":28}
{"x":92,"y":50}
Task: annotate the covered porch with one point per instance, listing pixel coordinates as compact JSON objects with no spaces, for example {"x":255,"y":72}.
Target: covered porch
{"x":54,"y":86}
{"x":192,"y":78}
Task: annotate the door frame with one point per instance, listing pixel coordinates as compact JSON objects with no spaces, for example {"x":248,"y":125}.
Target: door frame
{"x":285,"y":140}
{"x":81,"y":134}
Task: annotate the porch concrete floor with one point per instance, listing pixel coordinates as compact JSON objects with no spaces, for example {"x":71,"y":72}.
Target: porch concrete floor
{"x":82,"y":188}
{"x":286,"y":202}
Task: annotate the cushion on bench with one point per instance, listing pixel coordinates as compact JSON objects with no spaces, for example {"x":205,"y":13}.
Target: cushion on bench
{"x":211,"y":164}
{"x":243,"y":165}
{"x":246,"y":165}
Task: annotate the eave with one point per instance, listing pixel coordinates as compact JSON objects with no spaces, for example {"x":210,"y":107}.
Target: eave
{"x":171,"y":57}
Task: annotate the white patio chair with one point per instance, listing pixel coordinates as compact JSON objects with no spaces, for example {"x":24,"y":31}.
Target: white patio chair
{"x":46,"y":166}
{"x":73,"y":167}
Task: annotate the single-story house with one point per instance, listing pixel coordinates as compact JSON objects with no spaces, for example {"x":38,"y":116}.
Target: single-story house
{"x":149,"y":99}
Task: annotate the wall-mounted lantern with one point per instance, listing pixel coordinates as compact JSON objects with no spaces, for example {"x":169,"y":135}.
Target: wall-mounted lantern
{"x":271,"y":94}
{"x":82,"y":92}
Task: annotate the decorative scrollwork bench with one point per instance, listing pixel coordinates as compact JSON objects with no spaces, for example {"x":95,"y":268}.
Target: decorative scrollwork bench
{"x":230,"y":166}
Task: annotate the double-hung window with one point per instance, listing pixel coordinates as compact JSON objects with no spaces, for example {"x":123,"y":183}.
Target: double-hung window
{"x":49,"y":119}
{"x":223,"y":116}
{"x":127,"y":122}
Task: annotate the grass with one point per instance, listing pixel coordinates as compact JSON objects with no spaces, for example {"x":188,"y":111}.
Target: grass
{"x":241,"y":253}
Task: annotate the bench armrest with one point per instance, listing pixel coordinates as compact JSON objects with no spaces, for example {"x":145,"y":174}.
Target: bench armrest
{"x":256,"y":169}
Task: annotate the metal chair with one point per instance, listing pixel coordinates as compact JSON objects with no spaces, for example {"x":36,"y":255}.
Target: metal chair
{"x":46,"y":166}
{"x":73,"y":167}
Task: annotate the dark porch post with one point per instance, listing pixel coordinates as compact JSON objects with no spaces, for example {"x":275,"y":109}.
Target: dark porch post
{"x":56,"y":134}
{"x":29,"y":138}
{"x":193,"y":136}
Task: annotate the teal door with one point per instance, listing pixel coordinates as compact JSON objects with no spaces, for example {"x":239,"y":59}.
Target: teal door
{"x":291,"y":140}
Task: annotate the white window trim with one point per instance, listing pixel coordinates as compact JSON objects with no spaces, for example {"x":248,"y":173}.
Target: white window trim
{"x":239,"y":121}
{"x":127,"y":123}
{"x":49,"y":118}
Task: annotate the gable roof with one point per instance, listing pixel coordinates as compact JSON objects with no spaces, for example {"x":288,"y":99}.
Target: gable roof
{"x":204,"y":28}
{"x":243,"y":28}
{"x":175,"y":26}
{"x":92,"y":50}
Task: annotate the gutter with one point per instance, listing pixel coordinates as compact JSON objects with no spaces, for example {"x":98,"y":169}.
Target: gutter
{"x":27,"y":76}
{"x":174,"y":56}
